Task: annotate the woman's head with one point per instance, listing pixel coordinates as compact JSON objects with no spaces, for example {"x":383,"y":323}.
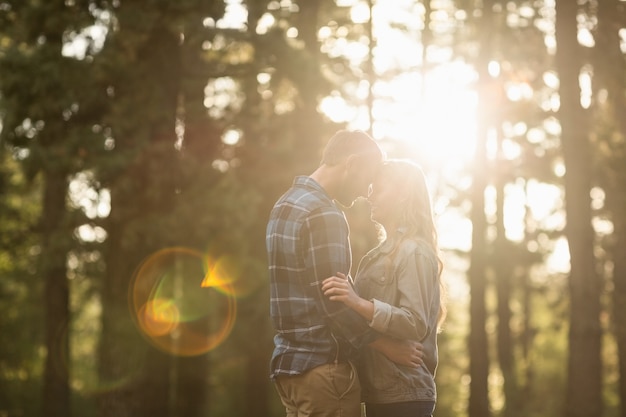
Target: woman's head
{"x":399,"y":197}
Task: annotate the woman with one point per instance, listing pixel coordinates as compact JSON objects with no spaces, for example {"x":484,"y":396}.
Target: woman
{"x":400,"y":292}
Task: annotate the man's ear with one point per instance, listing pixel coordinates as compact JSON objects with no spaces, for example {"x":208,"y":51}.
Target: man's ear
{"x":350,"y":161}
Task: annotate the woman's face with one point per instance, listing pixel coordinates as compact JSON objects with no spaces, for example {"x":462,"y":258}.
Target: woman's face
{"x":384,"y":202}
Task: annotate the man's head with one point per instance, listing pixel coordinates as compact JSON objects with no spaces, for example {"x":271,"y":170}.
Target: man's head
{"x":350,"y":160}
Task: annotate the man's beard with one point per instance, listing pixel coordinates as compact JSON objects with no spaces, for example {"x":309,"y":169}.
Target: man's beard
{"x":344,"y":206}
{"x":346,"y":197}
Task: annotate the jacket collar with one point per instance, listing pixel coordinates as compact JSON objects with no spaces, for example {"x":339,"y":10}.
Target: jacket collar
{"x":386,"y":246}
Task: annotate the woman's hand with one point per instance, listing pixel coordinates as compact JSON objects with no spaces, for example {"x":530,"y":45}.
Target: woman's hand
{"x":339,"y":288}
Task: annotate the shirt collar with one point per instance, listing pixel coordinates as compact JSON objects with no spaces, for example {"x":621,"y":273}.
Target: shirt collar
{"x":388,"y":244}
{"x":308,"y":182}
{"x":311,"y":184}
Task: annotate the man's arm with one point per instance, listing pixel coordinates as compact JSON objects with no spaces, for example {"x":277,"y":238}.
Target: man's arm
{"x":325,"y":239}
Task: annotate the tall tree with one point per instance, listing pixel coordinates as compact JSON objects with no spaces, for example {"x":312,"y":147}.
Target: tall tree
{"x":477,"y":273}
{"x":584,"y":383}
{"x":610,"y":64}
{"x":504,"y":250}
{"x":516,"y":64}
{"x":141,"y":67}
{"x":20,"y":288}
{"x":49,"y":111}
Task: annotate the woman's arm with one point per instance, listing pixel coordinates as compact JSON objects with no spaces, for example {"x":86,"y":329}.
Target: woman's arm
{"x":339,"y":288}
{"x":414,"y":313}
{"x":414,"y":316}
{"x":401,"y":351}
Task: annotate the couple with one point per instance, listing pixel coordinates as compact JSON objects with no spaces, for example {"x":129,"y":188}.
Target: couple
{"x":384,"y":324}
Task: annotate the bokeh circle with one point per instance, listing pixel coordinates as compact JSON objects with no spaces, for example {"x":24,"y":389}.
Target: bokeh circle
{"x":182,"y":301}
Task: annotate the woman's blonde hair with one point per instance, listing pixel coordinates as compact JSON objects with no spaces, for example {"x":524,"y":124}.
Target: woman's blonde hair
{"x":415,"y":214}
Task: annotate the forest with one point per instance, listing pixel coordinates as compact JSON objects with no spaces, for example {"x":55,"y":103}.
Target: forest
{"x":144,"y":142}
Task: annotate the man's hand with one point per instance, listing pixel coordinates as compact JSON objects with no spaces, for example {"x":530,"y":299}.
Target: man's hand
{"x":402,"y":352}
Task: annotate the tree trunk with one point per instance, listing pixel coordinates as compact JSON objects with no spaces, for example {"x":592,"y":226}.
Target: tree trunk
{"x":502,"y":257}
{"x":619,"y":286}
{"x":478,"y":345}
{"x":306,"y":117}
{"x":258,"y":386}
{"x":611,"y":67}
{"x":192,"y":387}
{"x":149,"y":88}
{"x":584,"y":382}
{"x":477,"y":274}
{"x":56,"y":390}
{"x":119,"y":360}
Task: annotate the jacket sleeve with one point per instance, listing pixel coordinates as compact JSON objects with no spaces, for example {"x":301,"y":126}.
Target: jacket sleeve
{"x":416,"y":311}
{"x":327,"y":251}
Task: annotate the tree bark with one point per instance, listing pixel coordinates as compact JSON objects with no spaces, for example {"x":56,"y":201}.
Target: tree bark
{"x":477,"y":274}
{"x":478,"y":345}
{"x":56,"y":389}
{"x":611,"y":66}
{"x":119,"y":360}
{"x":584,"y":382}
{"x":138,"y":373}
{"x":502,"y":258}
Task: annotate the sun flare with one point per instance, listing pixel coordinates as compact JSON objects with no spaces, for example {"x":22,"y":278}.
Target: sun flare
{"x":439,"y":117}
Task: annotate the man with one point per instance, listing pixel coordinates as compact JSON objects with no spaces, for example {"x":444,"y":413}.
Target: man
{"x":307,"y":241}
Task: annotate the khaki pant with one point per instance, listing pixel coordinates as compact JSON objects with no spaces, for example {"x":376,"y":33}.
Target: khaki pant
{"x":330,"y":390}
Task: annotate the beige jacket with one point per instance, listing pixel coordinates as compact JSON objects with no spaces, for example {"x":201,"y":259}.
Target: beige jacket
{"x":405,"y":290}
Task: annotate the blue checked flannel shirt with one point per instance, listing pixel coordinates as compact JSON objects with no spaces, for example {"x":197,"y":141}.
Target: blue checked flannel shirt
{"x":307,"y":241}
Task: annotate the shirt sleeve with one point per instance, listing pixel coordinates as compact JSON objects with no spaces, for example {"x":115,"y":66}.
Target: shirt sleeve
{"x":416,"y":313}
{"x":327,"y":251}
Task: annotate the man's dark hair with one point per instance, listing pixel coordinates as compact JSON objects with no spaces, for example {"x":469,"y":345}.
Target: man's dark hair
{"x":345,"y":143}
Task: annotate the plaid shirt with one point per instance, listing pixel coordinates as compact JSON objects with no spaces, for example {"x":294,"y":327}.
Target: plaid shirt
{"x":307,"y":241}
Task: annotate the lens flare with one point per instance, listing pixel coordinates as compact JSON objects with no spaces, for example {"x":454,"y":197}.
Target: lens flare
{"x":225,"y":275}
{"x":159,"y":317}
{"x":181,"y":302}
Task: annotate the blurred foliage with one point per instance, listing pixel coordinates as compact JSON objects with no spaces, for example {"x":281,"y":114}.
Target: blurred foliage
{"x":178,"y":128}
{"x":21,"y":291}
